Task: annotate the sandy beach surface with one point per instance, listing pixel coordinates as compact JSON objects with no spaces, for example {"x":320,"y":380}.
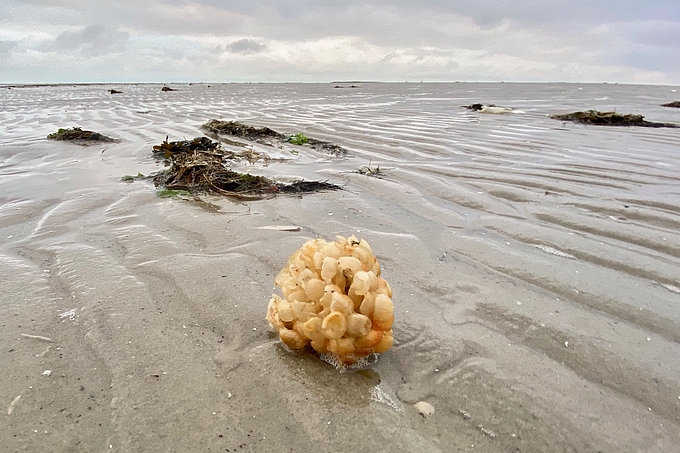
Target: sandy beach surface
{"x":535,"y":266}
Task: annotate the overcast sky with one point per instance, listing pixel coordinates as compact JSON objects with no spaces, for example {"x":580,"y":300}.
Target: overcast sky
{"x":51,"y":41}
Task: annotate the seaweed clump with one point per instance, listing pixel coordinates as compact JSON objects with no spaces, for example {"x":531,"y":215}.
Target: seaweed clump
{"x":298,"y":139}
{"x":674,"y":104}
{"x":264,"y":134}
{"x":198,"y":166}
{"x":78,"y":135}
{"x":609,"y":119}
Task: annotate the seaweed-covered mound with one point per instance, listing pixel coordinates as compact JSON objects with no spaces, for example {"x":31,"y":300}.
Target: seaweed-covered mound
{"x":240,"y":130}
{"x":675,"y":104}
{"x":78,"y":135}
{"x":609,"y":119}
{"x":198,"y":166}
{"x":263,"y":134}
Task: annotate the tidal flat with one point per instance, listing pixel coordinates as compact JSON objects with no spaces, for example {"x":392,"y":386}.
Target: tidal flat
{"x":534,"y":264}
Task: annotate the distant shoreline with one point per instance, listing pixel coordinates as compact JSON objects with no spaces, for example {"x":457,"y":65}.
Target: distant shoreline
{"x":372,"y":82}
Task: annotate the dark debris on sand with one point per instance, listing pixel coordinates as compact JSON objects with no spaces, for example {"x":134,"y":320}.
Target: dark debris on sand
{"x":263,"y":134}
{"x":609,"y":119}
{"x":327,"y":147}
{"x":675,"y":104}
{"x":478,"y":107}
{"x":367,"y":170}
{"x":198,"y":166}
{"x":167,"y":88}
{"x":78,"y":135}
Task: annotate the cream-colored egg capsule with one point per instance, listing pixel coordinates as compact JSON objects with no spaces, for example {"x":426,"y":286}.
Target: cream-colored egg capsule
{"x":358,"y":325}
{"x":314,"y":288}
{"x":341,"y":346}
{"x":385,"y":343}
{"x":329,"y":268}
{"x":383,"y":312}
{"x":286,"y":313}
{"x":349,"y":265}
{"x":334,"y":325}
{"x":312,"y":329}
{"x":292,"y":339}
{"x":342,"y":304}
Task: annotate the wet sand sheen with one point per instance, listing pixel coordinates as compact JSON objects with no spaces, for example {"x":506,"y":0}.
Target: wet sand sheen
{"x":535,"y":266}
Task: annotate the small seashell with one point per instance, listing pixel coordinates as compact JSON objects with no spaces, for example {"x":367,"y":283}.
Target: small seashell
{"x":425,"y":408}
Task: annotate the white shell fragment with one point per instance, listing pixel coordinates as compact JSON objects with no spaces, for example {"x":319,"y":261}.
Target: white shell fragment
{"x":13,"y":404}
{"x":425,"y":408}
{"x":280,"y":228}
{"x":37,"y":337}
{"x":47,"y":373}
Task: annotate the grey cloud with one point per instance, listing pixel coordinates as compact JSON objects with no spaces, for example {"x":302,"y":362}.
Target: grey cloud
{"x":5,"y":51}
{"x":6,"y":46}
{"x":652,"y":58}
{"x":654,"y":33}
{"x":245,"y":46}
{"x":657,"y":61}
{"x":92,"y":40}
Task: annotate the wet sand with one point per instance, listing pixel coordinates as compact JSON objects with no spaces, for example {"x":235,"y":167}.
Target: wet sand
{"x":535,"y":266}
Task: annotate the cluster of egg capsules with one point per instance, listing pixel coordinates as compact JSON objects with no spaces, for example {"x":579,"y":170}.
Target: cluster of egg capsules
{"x":334,"y":300}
